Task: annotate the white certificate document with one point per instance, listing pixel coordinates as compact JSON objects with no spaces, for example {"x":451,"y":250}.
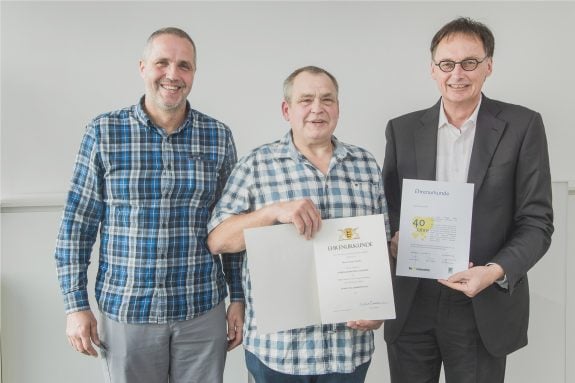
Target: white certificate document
{"x":352,"y":268}
{"x":341,"y":274}
{"x":434,"y":228}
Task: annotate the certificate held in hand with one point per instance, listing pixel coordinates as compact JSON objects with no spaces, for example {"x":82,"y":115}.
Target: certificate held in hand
{"x":341,"y":274}
{"x":434,"y":228}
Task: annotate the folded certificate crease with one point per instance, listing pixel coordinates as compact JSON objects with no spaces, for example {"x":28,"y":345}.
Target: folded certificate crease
{"x":341,"y":274}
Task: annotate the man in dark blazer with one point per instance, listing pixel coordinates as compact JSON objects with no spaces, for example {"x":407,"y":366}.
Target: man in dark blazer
{"x":473,"y":320}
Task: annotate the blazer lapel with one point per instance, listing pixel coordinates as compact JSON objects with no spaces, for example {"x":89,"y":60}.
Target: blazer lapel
{"x":488,"y":132}
{"x":425,"y":138}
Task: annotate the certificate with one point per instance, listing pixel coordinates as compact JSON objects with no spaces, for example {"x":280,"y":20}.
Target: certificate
{"x":435,"y":228}
{"x":341,"y":274}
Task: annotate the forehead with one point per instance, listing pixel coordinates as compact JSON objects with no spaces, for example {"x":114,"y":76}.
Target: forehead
{"x":311,"y":83}
{"x":460,"y":46}
{"x":169,"y":45}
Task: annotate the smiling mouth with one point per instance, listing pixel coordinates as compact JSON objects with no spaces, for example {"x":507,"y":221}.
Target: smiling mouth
{"x":458,"y":86}
{"x":170,"y":87}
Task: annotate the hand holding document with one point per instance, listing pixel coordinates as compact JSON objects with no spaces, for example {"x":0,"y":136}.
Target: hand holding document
{"x":341,"y":274}
{"x":435,"y":228}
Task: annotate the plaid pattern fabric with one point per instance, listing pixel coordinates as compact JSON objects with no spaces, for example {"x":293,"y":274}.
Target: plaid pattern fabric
{"x":353,"y":186}
{"x":150,"y":194}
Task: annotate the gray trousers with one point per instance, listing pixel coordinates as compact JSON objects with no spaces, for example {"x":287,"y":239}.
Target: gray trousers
{"x":192,"y":351}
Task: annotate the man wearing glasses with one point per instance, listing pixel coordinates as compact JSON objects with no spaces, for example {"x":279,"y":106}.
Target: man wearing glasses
{"x":471,"y":321}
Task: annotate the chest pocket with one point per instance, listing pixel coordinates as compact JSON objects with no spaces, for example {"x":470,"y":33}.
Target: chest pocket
{"x":366,"y":195}
{"x":198,"y":180}
{"x":361,"y":197}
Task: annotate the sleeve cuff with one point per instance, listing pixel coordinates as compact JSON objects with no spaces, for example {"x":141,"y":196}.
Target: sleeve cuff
{"x":76,"y":301}
{"x":502,"y":282}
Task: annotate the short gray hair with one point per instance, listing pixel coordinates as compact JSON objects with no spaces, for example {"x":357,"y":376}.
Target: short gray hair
{"x":288,"y":82}
{"x":169,"y":31}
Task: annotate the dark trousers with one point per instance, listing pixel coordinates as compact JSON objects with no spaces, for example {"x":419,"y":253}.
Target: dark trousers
{"x":441,"y":328}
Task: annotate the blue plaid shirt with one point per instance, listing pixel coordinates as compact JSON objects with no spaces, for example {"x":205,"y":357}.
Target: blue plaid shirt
{"x":151,"y":195}
{"x":353,"y":186}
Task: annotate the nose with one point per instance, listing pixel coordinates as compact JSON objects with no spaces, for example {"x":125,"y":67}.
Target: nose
{"x":316,"y":105}
{"x":458,"y":70}
{"x":170,"y":71}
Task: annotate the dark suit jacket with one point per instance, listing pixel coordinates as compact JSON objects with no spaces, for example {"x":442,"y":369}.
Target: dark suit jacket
{"x":512,"y":215}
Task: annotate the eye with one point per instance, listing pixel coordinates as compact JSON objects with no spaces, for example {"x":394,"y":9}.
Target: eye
{"x":305,"y":101}
{"x":469,"y":64}
{"x":328,"y":101}
{"x":446,"y":66}
{"x":186,"y":66}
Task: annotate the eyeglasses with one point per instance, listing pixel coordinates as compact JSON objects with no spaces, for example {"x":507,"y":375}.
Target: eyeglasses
{"x":467,"y":64}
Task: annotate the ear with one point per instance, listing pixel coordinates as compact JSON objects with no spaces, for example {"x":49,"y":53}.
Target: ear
{"x":285,"y":110}
{"x":432,"y":69}
{"x":489,"y":66}
{"x":142,"y":65}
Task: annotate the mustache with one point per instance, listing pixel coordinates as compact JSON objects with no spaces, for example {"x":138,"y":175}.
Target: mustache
{"x":172,"y":83}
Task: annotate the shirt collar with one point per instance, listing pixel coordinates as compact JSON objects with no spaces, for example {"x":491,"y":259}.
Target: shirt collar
{"x":147,"y":121}
{"x":473,"y":118}
{"x":287,"y":148}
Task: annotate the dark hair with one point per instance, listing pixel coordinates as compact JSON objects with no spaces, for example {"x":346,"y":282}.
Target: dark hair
{"x":469,"y":27}
{"x":170,"y":31}
{"x":288,"y":82}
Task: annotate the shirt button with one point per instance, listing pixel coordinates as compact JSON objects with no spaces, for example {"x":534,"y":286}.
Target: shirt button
{"x":161,"y":285}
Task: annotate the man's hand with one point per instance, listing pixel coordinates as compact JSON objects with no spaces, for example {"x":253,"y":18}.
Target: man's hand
{"x":82,"y":331}
{"x":364,"y":325}
{"x":475,"y":279}
{"x":235,"y":319}
{"x":302,"y":213}
{"x":393,"y":245}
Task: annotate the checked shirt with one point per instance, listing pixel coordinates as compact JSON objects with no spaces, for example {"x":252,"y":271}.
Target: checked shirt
{"x":353,"y":187}
{"x":149,"y":195}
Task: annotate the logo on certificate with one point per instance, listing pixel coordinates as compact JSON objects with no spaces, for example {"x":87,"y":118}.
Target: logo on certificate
{"x":348,"y":234}
{"x":421,"y":226}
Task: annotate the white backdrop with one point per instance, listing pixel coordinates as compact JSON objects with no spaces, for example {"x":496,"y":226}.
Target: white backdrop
{"x":62,"y":63}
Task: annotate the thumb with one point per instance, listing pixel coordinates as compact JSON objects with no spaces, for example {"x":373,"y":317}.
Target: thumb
{"x":231,"y":329}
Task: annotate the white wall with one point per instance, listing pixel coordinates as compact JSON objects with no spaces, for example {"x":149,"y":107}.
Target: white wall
{"x":33,"y":319}
{"x":62,"y":63}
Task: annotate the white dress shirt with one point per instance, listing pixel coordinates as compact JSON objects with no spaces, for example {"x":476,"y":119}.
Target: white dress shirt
{"x":454,"y":146}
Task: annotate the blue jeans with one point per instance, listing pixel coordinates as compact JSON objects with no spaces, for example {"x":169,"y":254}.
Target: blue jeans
{"x":264,"y":374}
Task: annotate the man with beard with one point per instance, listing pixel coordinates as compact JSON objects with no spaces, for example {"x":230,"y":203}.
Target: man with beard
{"x":147,"y":177}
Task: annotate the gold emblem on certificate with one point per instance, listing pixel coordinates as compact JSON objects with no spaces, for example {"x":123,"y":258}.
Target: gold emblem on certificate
{"x":348,"y":234}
